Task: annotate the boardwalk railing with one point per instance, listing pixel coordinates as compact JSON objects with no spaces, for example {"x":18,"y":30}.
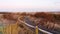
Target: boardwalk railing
{"x":34,"y":27}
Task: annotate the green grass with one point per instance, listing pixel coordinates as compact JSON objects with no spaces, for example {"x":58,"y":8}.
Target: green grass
{"x":1,"y":28}
{"x":1,"y":32}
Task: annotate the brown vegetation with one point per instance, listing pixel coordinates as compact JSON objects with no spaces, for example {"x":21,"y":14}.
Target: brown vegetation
{"x":46,"y":20}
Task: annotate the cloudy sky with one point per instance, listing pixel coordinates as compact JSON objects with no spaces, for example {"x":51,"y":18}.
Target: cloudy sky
{"x":29,"y":5}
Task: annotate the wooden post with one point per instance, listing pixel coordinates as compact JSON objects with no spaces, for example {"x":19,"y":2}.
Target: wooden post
{"x":36,"y":29}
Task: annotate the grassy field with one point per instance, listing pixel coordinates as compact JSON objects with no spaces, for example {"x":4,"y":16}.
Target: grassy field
{"x":45,"y":20}
{"x":15,"y":29}
{"x":1,"y":29}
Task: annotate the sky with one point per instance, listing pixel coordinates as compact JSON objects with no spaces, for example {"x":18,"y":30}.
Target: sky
{"x":29,"y":5}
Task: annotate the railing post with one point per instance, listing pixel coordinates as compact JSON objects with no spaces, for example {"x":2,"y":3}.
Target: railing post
{"x":36,"y":29}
